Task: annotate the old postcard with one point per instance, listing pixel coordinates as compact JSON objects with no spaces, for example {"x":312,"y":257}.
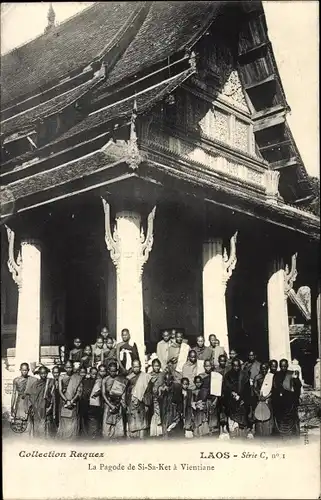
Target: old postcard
{"x":160,"y":221}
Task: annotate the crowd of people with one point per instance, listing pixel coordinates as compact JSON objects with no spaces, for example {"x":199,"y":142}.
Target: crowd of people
{"x":101,"y":392}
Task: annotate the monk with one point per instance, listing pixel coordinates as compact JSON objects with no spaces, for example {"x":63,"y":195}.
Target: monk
{"x":177,"y":356}
{"x":109,"y":351}
{"x":263,"y":414}
{"x":157,"y":378}
{"x":187,"y":413}
{"x":20,"y":400}
{"x":285,"y":401}
{"x":90,"y":405}
{"x":203,"y":352}
{"x":87,"y":358}
{"x":138,"y":399}
{"x":162,"y":349}
{"x":217,"y":352}
{"x":222,"y":367}
{"x":211,"y":401}
{"x":190,"y":368}
{"x":171,"y":407}
{"x":126,"y":352}
{"x":76,"y":353}
{"x":98,"y":352}
{"x":236,"y":391}
{"x":252,"y":366}
{"x":70,"y":390}
{"x":54,"y":408}
{"x":200,"y":408}
{"x":113,"y":392}
{"x":40,"y":400}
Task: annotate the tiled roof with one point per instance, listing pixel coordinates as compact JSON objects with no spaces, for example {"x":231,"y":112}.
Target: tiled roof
{"x":27,"y":118}
{"x":121,"y":110}
{"x":168,"y":28}
{"x":69,"y":47}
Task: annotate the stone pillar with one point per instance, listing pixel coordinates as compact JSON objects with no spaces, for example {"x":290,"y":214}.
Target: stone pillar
{"x":26,"y":272}
{"x":279,"y":285}
{"x":129,"y":250}
{"x":217,"y":269}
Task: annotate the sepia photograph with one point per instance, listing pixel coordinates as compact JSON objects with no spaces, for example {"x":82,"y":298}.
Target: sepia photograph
{"x":160,"y":229}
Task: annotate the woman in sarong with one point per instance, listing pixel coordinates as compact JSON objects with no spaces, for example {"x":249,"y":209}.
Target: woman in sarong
{"x":40,"y":400}
{"x":237,"y":393}
{"x":138,"y":399}
{"x":262,"y":389}
{"x":90,"y":406}
{"x":126,"y":353}
{"x":199,"y":407}
{"x":87,"y":358}
{"x":170,"y":401}
{"x":98,"y":352}
{"x":212,"y":401}
{"x":157,"y":378}
{"x":109,"y":352}
{"x":70,"y":390}
{"x":285,"y":401}
{"x":113,"y":392}
{"x":20,"y":400}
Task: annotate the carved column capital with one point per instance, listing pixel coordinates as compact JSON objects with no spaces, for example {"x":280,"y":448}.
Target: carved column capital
{"x":290,"y":274}
{"x":128,"y":246}
{"x":112,"y":241}
{"x":14,"y":265}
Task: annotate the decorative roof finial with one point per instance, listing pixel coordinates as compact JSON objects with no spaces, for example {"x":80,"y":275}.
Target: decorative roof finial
{"x":51,"y":16}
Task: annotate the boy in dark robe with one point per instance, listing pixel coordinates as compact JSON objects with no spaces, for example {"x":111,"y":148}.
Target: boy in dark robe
{"x":285,"y":401}
{"x":236,"y":394}
{"x":90,"y":406}
{"x":76,"y":353}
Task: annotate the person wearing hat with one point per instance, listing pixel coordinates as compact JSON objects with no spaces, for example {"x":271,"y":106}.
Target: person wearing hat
{"x":262,"y":390}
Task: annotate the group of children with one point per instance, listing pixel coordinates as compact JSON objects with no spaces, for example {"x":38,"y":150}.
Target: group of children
{"x":102,"y":392}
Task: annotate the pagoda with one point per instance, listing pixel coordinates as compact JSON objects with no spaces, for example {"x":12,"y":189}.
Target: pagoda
{"x":150,"y":180}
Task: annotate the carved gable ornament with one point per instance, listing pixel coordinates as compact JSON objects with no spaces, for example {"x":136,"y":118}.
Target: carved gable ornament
{"x":233,"y":90}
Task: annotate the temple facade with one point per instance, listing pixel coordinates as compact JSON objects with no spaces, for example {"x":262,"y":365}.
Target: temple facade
{"x":150,"y":180}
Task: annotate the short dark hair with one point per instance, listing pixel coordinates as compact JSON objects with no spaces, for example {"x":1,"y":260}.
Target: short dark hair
{"x":185,"y":379}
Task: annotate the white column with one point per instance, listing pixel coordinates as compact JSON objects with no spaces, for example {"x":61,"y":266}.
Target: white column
{"x":129,"y":250}
{"x":217,"y":268}
{"x":26,"y":272}
{"x":279,"y":285}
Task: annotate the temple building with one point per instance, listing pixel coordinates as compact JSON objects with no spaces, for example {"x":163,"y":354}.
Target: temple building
{"x":150,"y":180}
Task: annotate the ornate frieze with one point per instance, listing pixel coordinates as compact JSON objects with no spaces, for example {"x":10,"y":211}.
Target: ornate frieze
{"x":241,"y":135}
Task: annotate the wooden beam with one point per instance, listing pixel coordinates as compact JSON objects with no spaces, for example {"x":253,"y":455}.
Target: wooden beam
{"x":270,"y":78}
{"x":268,"y":112}
{"x":253,"y":50}
{"x":291,"y":162}
{"x":275,"y":145}
{"x":270,"y":121}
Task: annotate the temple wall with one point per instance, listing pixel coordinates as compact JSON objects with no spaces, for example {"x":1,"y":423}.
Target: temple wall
{"x":172,"y":276}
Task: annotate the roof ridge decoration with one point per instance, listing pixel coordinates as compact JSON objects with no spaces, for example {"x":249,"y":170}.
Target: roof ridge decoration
{"x":51,"y":16}
{"x":134,"y":155}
